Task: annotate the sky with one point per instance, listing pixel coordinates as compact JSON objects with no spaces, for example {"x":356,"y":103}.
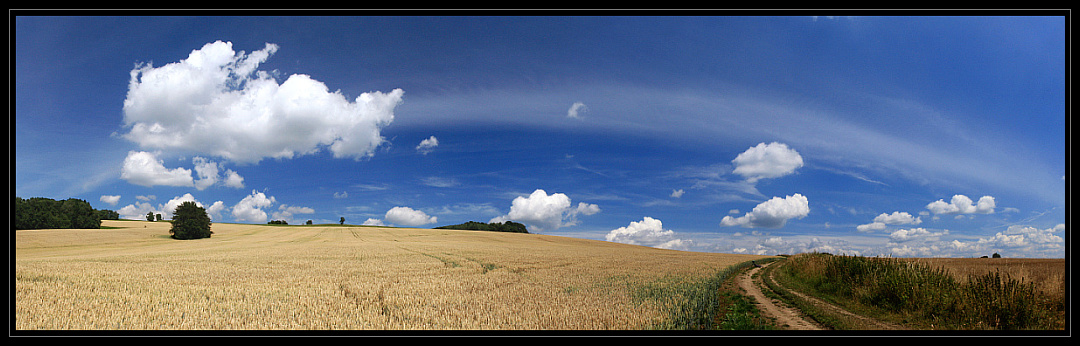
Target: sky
{"x":875,"y":135}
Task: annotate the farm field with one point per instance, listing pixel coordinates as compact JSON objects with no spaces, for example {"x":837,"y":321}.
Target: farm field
{"x":1047,"y":274}
{"x":261,"y":277}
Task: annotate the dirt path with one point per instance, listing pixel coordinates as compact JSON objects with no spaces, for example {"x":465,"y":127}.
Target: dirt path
{"x":786,"y":317}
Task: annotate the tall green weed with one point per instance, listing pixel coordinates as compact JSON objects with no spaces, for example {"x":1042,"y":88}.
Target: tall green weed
{"x":929,"y":296}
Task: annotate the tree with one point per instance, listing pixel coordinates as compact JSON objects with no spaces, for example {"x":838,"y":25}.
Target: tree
{"x":342,"y":220}
{"x":190,"y":221}
{"x":79,"y":214}
{"x":47,"y":213}
{"x":309,"y":222}
{"x":996,"y":255}
{"x":150,"y":216}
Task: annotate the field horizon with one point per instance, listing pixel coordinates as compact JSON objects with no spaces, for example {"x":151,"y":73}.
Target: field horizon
{"x":132,"y":276}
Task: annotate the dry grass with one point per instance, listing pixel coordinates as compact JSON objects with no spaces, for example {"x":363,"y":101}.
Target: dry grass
{"x":256,"y":277}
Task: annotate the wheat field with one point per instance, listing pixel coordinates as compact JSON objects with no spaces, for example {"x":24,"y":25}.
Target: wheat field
{"x":261,"y":277}
{"x":1046,"y":274}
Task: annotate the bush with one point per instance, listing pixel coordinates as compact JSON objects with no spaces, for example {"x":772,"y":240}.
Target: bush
{"x":190,"y":221}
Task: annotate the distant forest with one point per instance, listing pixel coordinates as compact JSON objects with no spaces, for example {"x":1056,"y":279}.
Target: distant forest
{"x":47,"y":213}
{"x":508,"y":226}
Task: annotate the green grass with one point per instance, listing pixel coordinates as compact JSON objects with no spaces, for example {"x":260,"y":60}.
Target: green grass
{"x":704,"y":304}
{"x":921,"y":296}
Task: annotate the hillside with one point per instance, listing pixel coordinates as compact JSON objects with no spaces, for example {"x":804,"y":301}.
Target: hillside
{"x":252,"y":277}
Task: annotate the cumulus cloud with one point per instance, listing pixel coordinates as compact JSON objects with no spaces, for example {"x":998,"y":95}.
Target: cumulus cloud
{"x":373,"y":222}
{"x":1026,"y":241}
{"x":767,"y":161}
{"x":408,"y":217}
{"x":138,"y":210}
{"x":110,"y":199}
{"x":145,"y":169}
{"x":677,"y":193}
{"x":961,"y":204}
{"x":896,"y":218}
{"x":249,"y":209}
{"x":215,"y":210}
{"x":773,"y":213}
{"x":215,"y":102}
{"x":342,"y":194}
{"x":286,"y":213}
{"x":208,"y":175}
{"x":543,"y":212}
{"x":903,"y":235}
{"x":427,"y":145}
{"x":576,"y":109}
{"x":170,"y":206}
{"x":648,"y":232}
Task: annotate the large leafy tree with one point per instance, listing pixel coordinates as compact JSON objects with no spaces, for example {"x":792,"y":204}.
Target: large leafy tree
{"x":190,"y":221}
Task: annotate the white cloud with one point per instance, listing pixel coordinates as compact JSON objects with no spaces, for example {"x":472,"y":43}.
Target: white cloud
{"x":439,"y":182}
{"x":575,"y":109}
{"x":214,"y":102}
{"x":286,"y":213}
{"x":215,"y":210}
{"x":342,"y":194}
{"x":138,"y":210}
{"x":170,"y":206}
{"x":543,"y":212}
{"x":207,"y":171}
{"x":249,"y":209}
{"x":883,"y":220}
{"x":961,"y":204}
{"x":648,"y":232}
{"x":232,"y":179}
{"x":902,"y":235}
{"x":110,"y":199}
{"x":773,"y":213}
{"x":677,"y":193}
{"x":408,"y":217}
{"x":208,"y":174}
{"x":767,"y":161}
{"x":143,"y":168}
{"x":373,"y":222}
{"x":427,"y":145}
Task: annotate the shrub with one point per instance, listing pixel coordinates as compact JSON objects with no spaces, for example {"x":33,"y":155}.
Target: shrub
{"x":190,"y":221}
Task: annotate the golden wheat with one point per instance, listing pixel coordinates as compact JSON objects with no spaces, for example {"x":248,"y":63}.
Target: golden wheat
{"x":1046,"y":274}
{"x":256,"y":277}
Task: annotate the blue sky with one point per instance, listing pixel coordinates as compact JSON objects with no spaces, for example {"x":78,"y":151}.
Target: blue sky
{"x":907,"y":136}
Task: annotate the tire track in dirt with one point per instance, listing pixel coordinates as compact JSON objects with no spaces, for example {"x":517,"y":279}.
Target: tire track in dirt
{"x":786,"y":317}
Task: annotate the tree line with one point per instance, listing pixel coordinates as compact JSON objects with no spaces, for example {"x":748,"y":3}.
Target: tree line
{"x":508,"y":226}
{"x":47,"y":213}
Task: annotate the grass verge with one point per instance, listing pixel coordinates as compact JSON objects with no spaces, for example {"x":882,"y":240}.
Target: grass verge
{"x":710,"y":303}
{"x":920,"y":296}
